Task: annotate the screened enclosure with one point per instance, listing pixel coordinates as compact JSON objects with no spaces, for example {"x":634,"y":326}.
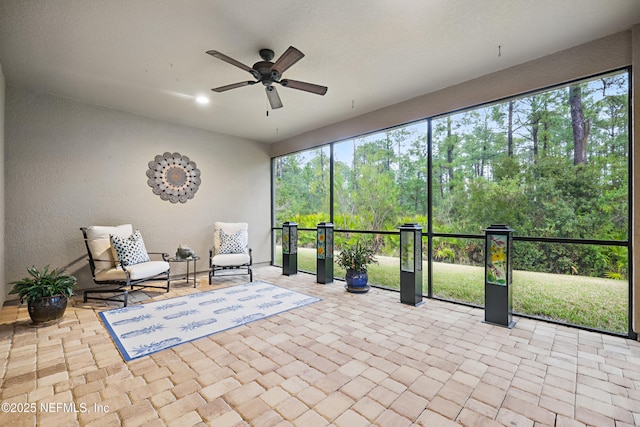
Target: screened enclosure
{"x":554,"y":165}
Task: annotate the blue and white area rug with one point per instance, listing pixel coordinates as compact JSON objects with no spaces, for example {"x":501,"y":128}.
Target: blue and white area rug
{"x":140,"y":330}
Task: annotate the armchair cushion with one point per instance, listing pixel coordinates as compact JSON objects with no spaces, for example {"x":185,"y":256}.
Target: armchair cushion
{"x":99,"y":244}
{"x":130,"y":250}
{"x":136,"y":271}
{"x":228,"y":260}
{"x":240,"y":229}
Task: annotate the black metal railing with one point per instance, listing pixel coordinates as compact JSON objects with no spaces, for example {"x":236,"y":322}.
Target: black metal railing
{"x":429,"y":260}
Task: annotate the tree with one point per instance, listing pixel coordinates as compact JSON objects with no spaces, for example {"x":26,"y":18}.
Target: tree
{"x":580,"y":125}
{"x":550,"y":164}
{"x":412,"y":177}
{"x":510,"y":129}
{"x":450,"y":145}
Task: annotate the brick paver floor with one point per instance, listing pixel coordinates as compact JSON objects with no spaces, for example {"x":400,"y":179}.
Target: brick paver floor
{"x":349,"y":360}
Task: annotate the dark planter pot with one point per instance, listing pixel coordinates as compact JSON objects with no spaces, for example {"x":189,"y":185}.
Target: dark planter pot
{"x":46,"y":309}
{"x":356,"y":281}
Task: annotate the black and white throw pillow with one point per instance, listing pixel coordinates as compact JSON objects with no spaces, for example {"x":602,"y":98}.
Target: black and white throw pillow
{"x":130,"y":250}
{"x":232,"y":243}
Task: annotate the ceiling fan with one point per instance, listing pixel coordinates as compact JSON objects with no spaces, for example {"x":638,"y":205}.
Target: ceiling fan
{"x":268,"y":73}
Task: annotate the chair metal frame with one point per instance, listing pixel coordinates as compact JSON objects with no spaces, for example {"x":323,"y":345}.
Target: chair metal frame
{"x":214,"y":268}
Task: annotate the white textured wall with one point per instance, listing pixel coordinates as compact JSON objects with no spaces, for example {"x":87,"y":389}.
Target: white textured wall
{"x":71,"y":164}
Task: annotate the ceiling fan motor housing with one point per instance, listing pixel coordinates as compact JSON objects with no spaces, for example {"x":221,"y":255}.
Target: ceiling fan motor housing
{"x":264,"y":70}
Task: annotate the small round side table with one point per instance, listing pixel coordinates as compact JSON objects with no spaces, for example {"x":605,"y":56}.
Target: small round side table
{"x":193,"y":258}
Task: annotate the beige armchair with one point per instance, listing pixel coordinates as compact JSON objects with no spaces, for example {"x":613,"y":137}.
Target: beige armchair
{"x":119,"y":262}
{"x":230,"y":249}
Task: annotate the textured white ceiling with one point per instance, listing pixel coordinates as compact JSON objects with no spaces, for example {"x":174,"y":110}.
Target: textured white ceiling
{"x":148,"y":56}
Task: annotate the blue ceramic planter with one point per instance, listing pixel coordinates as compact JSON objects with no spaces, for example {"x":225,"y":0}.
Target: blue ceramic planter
{"x":356,"y":281}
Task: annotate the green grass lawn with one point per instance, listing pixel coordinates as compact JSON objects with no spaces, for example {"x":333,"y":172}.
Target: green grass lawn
{"x":587,"y":301}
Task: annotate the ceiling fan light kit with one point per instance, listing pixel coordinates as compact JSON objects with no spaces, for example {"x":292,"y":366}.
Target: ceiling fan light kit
{"x":274,"y":98}
{"x":268,"y":73}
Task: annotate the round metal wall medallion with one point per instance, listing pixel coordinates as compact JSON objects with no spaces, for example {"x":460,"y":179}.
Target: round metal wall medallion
{"x":173,"y":177}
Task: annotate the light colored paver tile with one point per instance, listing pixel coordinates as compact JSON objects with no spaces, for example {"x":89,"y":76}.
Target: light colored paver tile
{"x":294,"y":385}
{"x":390,"y":418}
{"x":433,"y":419}
{"x":332,"y":382}
{"x":185,"y":404}
{"x":353,"y":368}
{"x":557,"y":406}
{"x":374,"y":374}
{"x":470,"y":418}
{"x":405,"y":375}
{"x":455,"y":391}
{"x":358,"y":388}
{"x":481,"y":408}
{"x":228,"y":419}
{"x":311,"y":396}
{"x":310,"y":419}
{"x":350,"y":418}
{"x":220,"y":388}
{"x":562,"y":421}
{"x":333,"y":405}
{"x":138,"y":413}
{"x":368,"y":408}
{"x":509,"y":418}
{"x":444,"y":407}
{"x":191,"y":418}
{"x":531,"y":411}
{"x":274,"y":396}
{"x":291,"y":408}
{"x":425,"y":387}
{"x":409,"y":405}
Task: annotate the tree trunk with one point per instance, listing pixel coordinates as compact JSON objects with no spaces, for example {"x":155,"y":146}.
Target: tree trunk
{"x":354,"y":184}
{"x":510,"y":131}
{"x":450,"y":154}
{"x":279,"y":162}
{"x":581,"y":127}
{"x":535,"y":128}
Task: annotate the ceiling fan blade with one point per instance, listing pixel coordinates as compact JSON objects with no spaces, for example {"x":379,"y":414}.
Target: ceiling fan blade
{"x":232,"y":86}
{"x":230,"y":60}
{"x":274,"y":98}
{"x":307,"y":87}
{"x":286,"y":60}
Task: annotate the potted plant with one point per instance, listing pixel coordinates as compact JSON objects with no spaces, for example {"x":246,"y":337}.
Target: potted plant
{"x":46,"y":292}
{"x":355,"y":260}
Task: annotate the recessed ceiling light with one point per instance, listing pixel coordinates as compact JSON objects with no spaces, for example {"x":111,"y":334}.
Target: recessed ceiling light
{"x":202,"y":100}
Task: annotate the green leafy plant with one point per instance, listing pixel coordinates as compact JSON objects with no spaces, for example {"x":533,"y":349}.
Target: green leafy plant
{"x":356,"y":257}
{"x":614,"y":275}
{"x":43,"y":283}
{"x":445,"y":254}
